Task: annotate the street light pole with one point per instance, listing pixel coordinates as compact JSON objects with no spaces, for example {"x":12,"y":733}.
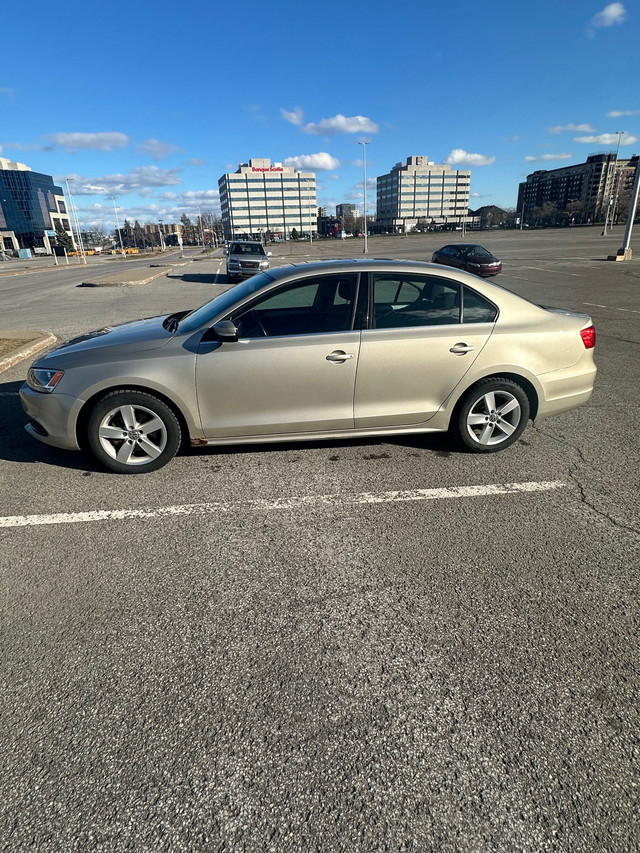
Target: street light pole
{"x":74,"y":220}
{"x":364,"y":143}
{"x":620,"y":134}
{"x":625,"y":250}
{"x":113,"y":199}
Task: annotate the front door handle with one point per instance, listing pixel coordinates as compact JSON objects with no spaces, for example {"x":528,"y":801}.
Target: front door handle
{"x":339,"y":356}
{"x":461,"y":349}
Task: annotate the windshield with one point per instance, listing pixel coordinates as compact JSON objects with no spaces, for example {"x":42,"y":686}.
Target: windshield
{"x":246,"y":249}
{"x":475,"y":251}
{"x":222,"y":303}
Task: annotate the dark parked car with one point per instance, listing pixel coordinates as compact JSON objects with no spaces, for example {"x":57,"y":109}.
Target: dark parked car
{"x":469,"y":257}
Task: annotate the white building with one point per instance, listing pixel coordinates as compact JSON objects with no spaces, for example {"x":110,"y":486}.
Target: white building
{"x":420,"y":193}
{"x":262,"y":197}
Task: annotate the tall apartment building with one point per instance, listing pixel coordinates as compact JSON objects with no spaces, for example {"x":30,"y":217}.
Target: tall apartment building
{"x":30,"y":207}
{"x":587,"y":189}
{"x":421,"y":192}
{"x":346,"y":211}
{"x":262,"y":197}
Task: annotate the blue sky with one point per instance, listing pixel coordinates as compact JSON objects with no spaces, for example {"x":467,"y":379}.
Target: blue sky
{"x":153,"y":102}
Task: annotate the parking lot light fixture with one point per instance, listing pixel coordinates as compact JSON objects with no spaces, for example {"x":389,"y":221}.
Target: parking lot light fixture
{"x":608,"y":218}
{"x":74,"y":221}
{"x":113,"y":199}
{"x":364,"y":143}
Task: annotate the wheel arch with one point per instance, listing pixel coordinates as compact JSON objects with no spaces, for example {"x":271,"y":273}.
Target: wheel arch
{"x":526,"y":385}
{"x":85,"y":411}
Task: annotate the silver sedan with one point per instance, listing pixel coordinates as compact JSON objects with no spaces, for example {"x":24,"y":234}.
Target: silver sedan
{"x":337,"y":349}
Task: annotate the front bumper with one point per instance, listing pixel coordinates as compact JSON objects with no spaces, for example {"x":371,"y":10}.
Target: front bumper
{"x":244,"y":273}
{"x":51,"y":417}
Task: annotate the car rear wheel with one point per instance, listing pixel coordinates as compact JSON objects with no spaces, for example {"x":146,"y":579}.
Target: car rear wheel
{"x":131,"y":432}
{"x":491,"y":416}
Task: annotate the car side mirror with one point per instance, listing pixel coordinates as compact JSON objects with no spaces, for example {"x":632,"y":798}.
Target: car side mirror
{"x":269,"y":254}
{"x":225,"y":331}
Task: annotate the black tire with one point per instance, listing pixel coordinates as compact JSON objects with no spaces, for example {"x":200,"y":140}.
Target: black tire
{"x":491,"y":416}
{"x":131,"y":432}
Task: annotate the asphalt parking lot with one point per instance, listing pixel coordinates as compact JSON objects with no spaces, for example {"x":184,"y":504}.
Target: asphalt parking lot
{"x":350,"y":646}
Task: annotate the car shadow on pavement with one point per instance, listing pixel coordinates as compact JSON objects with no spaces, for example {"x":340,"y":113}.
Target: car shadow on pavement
{"x":201,"y":277}
{"x":371,"y":448}
{"x":17,"y":446}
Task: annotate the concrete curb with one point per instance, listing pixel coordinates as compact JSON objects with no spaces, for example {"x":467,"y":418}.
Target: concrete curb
{"x":41,"y":341}
{"x":122,"y":278}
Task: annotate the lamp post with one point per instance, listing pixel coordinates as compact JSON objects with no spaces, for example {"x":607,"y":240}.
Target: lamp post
{"x":620,"y":134}
{"x":625,"y":251}
{"x":113,"y":199}
{"x":74,"y":220}
{"x":364,"y":143}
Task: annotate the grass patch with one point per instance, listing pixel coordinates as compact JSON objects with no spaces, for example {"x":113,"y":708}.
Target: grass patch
{"x":8,"y":345}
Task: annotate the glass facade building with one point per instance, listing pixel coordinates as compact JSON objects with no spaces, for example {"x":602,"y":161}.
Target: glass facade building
{"x":261,"y":198}
{"x":30,"y":207}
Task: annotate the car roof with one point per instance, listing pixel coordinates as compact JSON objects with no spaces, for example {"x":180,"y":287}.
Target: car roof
{"x":346,"y":265}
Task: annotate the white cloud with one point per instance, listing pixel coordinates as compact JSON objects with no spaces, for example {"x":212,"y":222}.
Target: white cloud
{"x":612,"y":14}
{"x":201,"y":195}
{"x":620,"y":113}
{"x":157,"y":149}
{"x":607,"y":139}
{"x":142,"y":181}
{"x":321,"y":162}
{"x":576,"y":128}
{"x":296,"y":116}
{"x":97,"y":141}
{"x":542,"y":157}
{"x":460,"y":157}
{"x":341,"y":124}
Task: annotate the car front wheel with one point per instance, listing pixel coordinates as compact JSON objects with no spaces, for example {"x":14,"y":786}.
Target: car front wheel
{"x":491,"y":416}
{"x":131,"y":432}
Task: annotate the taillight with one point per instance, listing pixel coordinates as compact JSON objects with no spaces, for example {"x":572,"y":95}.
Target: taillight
{"x":588,"y":336}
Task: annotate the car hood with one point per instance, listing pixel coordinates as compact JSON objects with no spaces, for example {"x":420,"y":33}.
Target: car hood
{"x":482,"y":259}
{"x":137,"y":335}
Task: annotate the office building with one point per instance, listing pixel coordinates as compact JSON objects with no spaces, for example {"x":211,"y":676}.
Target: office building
{"x":584,"y":192}
{"x":262,"y":198}
{"x":419,"y":194}
{"x":30,"y":208}
{"x":346,"y":211}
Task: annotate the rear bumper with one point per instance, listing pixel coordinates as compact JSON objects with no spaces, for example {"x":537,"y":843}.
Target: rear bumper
{"x":567,"y":389}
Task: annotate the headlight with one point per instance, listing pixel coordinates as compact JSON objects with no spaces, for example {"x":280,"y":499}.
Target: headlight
{"x":234,"y":264}
{"x":264,"y":265}
{"x":41,"y":379}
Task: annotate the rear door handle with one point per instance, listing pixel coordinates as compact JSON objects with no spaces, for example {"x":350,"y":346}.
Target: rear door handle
{"x":339,"y":356}
{"x":461,"y":349}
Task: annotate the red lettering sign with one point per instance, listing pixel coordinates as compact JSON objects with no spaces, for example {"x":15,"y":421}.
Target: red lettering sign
{"x":267,"y":169}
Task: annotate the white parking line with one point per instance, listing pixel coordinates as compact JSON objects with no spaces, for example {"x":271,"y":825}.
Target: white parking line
{"x":612,"y":308}
{"x":281,"y":503}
